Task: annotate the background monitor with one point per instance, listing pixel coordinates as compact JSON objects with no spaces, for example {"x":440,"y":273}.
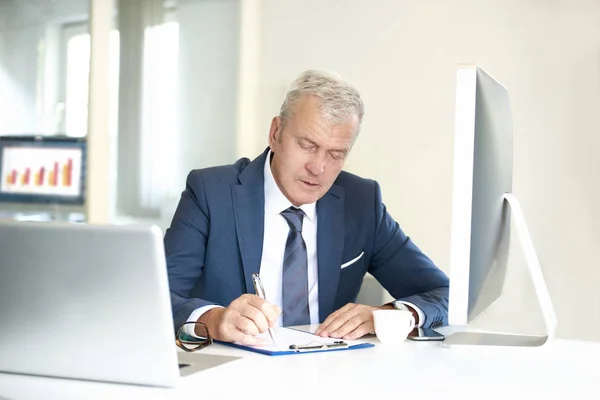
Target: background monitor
{"x":483,"y":168}
{"x":483,"y":206}
{"x":42,"y":169}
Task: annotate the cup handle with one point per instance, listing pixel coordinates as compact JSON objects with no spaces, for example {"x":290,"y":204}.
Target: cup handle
{"x":412,"y":323}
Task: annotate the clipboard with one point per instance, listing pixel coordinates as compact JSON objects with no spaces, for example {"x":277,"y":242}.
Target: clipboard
{"x":293,"y":341}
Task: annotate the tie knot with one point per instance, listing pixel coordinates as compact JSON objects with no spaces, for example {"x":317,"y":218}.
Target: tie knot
{"x":294,"y":217}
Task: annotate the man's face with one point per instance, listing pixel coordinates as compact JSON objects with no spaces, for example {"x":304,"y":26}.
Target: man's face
{"x":309,"y":153}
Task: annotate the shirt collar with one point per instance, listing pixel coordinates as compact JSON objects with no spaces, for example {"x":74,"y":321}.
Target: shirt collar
{"x":275,"y":201}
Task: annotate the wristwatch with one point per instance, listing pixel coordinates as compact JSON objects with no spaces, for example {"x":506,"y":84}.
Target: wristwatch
{"x":398,"y":305}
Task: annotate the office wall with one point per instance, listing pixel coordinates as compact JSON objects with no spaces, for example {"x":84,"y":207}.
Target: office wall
{"x":402,"y":56}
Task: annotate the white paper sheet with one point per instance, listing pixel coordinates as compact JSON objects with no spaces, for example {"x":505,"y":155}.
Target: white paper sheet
{"x":285,"y":337}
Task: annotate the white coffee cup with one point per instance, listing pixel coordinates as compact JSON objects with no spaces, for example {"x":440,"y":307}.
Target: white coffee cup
{"x":393,"y":326}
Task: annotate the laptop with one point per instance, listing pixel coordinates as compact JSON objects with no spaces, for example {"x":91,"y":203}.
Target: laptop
{"x":89,"y":302}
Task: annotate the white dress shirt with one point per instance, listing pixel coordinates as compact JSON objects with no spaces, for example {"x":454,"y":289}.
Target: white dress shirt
{"x":276,"y":233}
{"x":275,"y":237}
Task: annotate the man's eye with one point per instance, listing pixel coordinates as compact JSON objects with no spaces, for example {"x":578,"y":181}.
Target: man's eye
{"x":336,"y":156}
{"x":306,"y":146}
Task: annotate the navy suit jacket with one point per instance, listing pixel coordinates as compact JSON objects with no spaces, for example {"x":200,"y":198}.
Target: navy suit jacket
{"x":215,"y":241}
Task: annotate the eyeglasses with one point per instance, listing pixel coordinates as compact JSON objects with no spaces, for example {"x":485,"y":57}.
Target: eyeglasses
{"x":187,"y":342}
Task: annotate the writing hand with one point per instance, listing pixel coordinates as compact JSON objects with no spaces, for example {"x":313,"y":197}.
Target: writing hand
{"x":242,"y":321}
{"x":349,"y":322}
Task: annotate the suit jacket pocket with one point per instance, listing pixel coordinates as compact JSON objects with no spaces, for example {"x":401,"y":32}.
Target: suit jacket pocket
{"x":349,"y":263}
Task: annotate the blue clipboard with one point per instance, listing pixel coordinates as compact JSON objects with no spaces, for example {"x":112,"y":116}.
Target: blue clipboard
{"x":309,"y":344}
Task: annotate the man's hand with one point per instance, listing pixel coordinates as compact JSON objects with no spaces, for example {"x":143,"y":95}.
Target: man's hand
{"x":349,"y":322}
{"x":241,"y":322}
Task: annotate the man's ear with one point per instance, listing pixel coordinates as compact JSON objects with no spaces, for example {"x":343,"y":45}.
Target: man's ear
{"x":274,"y":132}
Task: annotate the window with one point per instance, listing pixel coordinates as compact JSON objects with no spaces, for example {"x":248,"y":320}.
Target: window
{"x":156,"y":113}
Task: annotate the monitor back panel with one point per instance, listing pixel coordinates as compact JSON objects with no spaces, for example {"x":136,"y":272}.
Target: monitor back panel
{"x":492,"y":178}
{"x":483,"y":167}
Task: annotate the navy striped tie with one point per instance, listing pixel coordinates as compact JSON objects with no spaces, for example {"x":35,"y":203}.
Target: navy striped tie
{"x":295,"y":272}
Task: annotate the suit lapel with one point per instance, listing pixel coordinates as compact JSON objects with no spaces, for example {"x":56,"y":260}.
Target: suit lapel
{"x":330,"y":246}
{"x":249,"y":211}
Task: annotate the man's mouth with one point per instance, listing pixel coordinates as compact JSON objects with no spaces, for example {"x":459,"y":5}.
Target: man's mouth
{"x":309,"y":184}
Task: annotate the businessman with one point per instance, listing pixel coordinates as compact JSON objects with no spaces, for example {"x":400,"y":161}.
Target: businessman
{"x":311,"y":230}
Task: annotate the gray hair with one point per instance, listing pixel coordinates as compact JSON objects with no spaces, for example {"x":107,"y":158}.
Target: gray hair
{"x":339,"y":100}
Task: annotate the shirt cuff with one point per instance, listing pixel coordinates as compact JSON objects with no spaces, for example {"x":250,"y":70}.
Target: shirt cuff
{"x":197,"y":313}
{"x":418,"y":310}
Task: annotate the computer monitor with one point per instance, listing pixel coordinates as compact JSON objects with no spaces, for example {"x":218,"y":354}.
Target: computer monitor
{"x":483,"y":206}
{"x":42,"y":169}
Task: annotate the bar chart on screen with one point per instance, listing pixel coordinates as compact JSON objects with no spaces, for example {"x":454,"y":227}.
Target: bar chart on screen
{"x":35,"y":170}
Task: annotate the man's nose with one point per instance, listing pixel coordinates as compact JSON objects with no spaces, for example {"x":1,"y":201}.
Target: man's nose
{"x":316,"y":165}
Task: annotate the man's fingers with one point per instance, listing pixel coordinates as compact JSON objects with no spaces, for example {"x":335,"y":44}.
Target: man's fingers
{"x":233,"y":323}
{"x":326,"y":325}
{"x":333,"y":325}
{"x":246,"y":325}
{"x":348,"y":326}
{"x":345,"y":314}
{"x":239,"y":337}
{"x":362,"y":330}
{"x":249,"y":340}
{"x":271,"y":312}
{"x":255,"y":317}
{"x":322,"y":330}
{"x":243,"y":320}
{"x":263,"y":313}
{"x":332,"y":322}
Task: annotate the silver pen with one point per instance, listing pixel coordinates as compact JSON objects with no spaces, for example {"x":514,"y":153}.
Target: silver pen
{"x":260,"y":291}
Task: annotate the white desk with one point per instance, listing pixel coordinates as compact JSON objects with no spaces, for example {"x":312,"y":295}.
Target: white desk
{"x":563,"y":369}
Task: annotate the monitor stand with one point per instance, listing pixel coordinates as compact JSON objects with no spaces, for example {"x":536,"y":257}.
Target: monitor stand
{"x":542,"y":294}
